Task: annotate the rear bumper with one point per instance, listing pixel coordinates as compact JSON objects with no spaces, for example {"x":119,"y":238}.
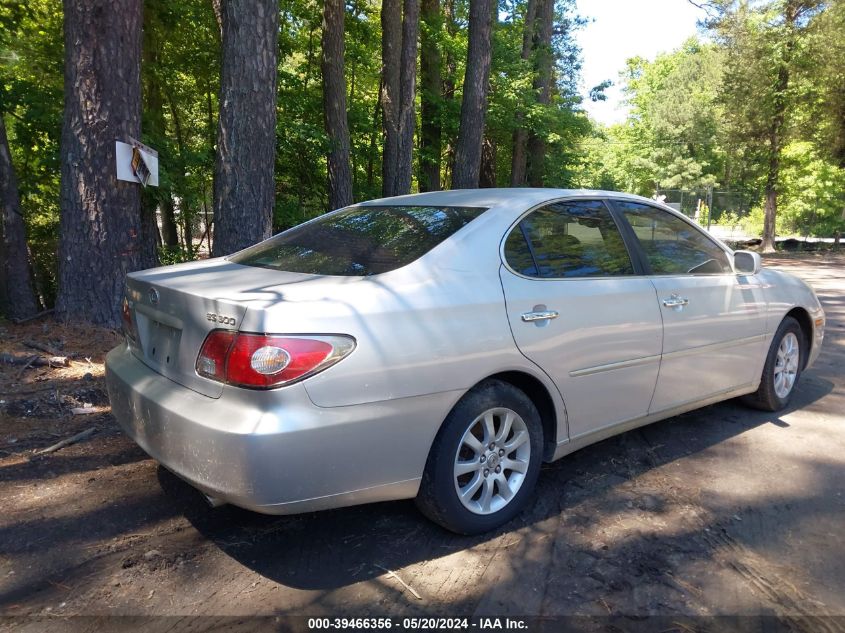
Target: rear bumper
{"x":275,"y":451}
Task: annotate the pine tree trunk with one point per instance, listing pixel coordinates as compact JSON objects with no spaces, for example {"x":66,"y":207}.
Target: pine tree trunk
{"x":839,"y":128}
{"x":217,"y":7}
{"x":769,"y":215}
{"x":169,"y":230}
{"x":334,"y":105}
{"x":391,"y":45}
{"x":770,"y":207}
{"x":208,"y":196}
{"x":487,"y":175}
{"x":519,"y":156}
{"x":776,"y":133}
{"x":179,"y":176}
{"x":431,"y":88}
{"x":474,"y":104}
{"x":408,"y":86}
{"x":544,"y":61}
{"x":17,"y":299}
{"x":400,"y":23}
{"x":244,"y":186}
{"x":449,"y":82}
{"x":372,"y":150}
{"x":102,"y":235}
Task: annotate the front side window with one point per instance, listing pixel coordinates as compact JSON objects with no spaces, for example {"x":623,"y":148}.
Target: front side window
{"x":568,"y":239}
{"x":672,"y":245}
{"x":359,"y":241}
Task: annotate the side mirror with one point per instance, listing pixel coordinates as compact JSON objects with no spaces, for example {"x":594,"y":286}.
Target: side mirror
{"x":747,"y":262}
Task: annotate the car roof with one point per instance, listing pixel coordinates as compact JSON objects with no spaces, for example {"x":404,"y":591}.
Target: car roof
{"x":521,"y":199}
{"x":492,"y":198}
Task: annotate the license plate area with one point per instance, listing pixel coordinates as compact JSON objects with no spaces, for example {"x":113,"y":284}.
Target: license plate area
{"x":160,"y":343}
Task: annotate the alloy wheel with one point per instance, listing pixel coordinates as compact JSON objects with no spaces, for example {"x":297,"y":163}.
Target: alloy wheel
{"x":492,"y":460}
{"x":786,"y":365}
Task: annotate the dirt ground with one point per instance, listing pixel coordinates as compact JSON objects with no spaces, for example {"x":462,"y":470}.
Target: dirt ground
{"x":720,"y":511}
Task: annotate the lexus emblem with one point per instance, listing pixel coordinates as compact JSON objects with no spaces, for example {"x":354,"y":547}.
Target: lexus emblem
{"x":154,"y":296}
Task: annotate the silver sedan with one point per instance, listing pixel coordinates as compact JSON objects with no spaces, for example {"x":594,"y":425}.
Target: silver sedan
{"x":441,"y":346}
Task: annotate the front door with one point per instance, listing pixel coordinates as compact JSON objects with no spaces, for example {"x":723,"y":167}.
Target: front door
{"x":578,"y":308}
{"x":713,"y":320}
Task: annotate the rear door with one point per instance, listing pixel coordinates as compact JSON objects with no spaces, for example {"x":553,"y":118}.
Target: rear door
{"x":713,"y":320}
{"x":579,"y":308}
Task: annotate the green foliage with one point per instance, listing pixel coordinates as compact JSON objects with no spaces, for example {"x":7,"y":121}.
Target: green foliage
{"x":705,"y":114}
{"x":727,"y":218}
{"x":820,"y":78}
{"x":670,"y":139}
{"x":180,"y":81}
{"x":174,"y":255}
{"x":562,"y":123}
{"x":752,"y":224}
{"x":813,"y":193}
{"x":31,"y":75}
{"x":674,"y":116}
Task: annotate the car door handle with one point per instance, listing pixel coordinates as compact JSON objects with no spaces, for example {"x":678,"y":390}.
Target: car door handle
{"x":540,"y":315}
{"x":675,"y":301}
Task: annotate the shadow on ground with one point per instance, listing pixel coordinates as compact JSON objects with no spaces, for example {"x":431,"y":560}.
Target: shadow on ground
{"x":336,"y":548}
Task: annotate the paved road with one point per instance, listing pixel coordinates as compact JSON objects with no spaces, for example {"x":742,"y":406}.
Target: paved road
{"x":720,"y":511}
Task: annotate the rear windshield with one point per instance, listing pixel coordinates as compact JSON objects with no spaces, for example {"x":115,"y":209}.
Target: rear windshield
{"x":359,"y":241}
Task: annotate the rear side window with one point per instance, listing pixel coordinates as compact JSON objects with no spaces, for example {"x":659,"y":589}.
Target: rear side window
{"x":568,"y":239}
{"x":672,"y":245}
{"x":359,"y":241}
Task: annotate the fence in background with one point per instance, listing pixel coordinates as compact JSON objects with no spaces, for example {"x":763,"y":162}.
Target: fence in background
{"x":711,"y":208}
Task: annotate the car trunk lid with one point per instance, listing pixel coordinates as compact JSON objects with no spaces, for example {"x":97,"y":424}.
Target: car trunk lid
{"x":174,"y":308}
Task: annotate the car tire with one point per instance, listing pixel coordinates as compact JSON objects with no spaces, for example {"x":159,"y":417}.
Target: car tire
{"x":784,"y":362}
{"x":476,"y":480}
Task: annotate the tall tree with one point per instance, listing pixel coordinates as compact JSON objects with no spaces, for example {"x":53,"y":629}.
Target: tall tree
{"x":154,"y":124}
{"x":102,"y":236}
{"x":334,"y":105}
{"x":431,"y":88}
{"x":450,"y":81}
{"x":779,"y":105}
{"x":17,"y":300}
{"x":544,"y":61}
{"x":217,"y":7}
{"x":473,"y":107}
{"x":244,"y":189}
{"x":408,"y":86}
{"x":674,"y":118}
{"x":487,"y":173}
{"x":519,"y":156}
{"x":391,"y":45}
{"x":31,"y":77}
{"x":761,"y":42}
{"x":834,"y":66}
{"x":400,"y":21}
{"x":824,"y":71}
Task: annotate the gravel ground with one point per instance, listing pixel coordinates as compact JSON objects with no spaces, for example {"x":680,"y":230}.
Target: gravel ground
{"x":722,"y":511}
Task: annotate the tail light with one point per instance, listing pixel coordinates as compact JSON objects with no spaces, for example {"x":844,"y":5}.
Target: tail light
{"x":264,"y":361}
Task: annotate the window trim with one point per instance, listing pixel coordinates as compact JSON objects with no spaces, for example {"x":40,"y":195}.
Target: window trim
{"x":641,"y":253}
{"x":633,"y":255}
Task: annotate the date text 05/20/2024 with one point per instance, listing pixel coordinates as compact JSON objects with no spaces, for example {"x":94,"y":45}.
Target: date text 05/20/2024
{"x":413,"y":624}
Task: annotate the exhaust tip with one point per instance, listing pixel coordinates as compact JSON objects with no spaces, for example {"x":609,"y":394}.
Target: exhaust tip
{"x":214,"y":502}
